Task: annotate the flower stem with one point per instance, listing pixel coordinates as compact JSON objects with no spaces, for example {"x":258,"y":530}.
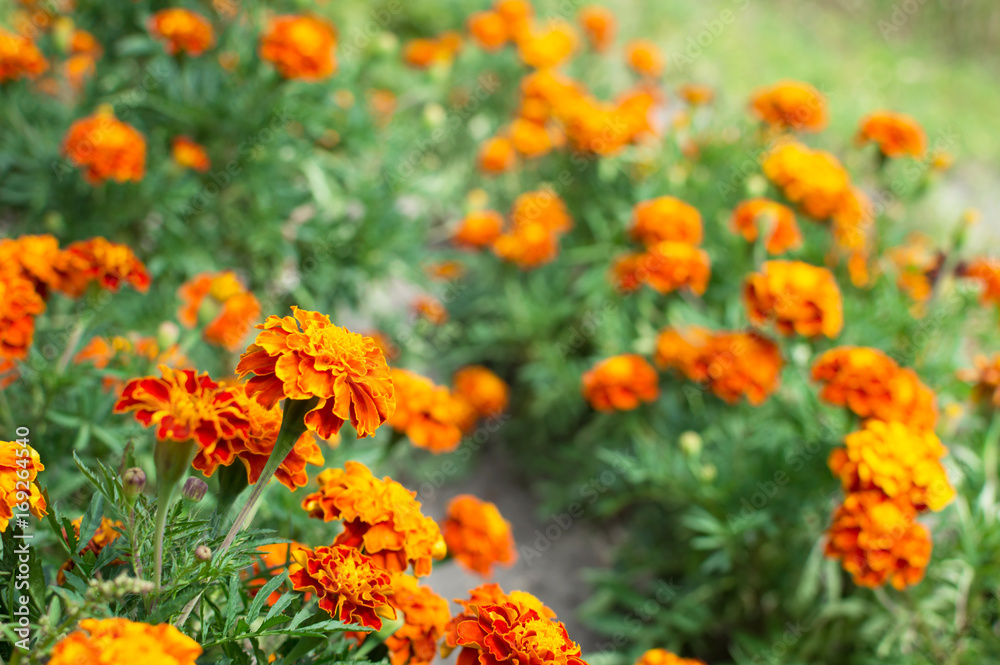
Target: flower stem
{"x":162,"y":507}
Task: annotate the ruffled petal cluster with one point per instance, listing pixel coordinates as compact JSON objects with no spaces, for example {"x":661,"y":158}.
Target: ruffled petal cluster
{"x":791,"y":105}
{"x":812,"y":179}
{"x":621,"y":383}
{"x":425,"y":618}
{"x":796,"y":297}
{"x":120,"y":641}
{"x":190,"y":154}
{"x":599,"y":25}
{"x":477,"y":535}
{"x":483,"y":390}
{"x":300,"y":47}
{"x":478,"y":229}
{"x":19,"y":468}
{"x":182,"y":31}
{"x":778,"y":221}
{"x":895,"y":134}
{"x":349,"y":585}
{"x":429,"y":415}
{"x":106,"y":148}
{"x":537,"y":220}
{"x":666,"y":218}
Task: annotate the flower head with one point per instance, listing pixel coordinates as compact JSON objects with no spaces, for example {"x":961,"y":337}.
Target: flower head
{"x":778,"y":222}
{"x":664,"y":657}
{"x":18,"y":470}
{"x":599,"y":25}
{"x":547,"y":48}
{"x":798,"y":297}
{"x":530,"y":138}
{"x":19,"y":58}
{"x":106,"y":148}
{"x":304,"y":356}
{"x":189,"y":154}
{"x":19,"y":305}
{"x":488,"y":30}
{"x":478,"y":229}
{"x":236,"y":307}
{"x":380,"y":516}
{"x":666,"y":218}
{"x":425,"y":616}
{"x":669,"y":265}
{"x":986,"y":379}
{"x":477,"y":535}
{"x":351,"y":586}
{"x":428,"y":414}
{"x":496,"y":155}
{"x":98,"y":260}
{"x":895,"y":134}
{"x":482,"y":389}
{"x":32,"y":257}
{"x":812,"y":179}
{"x":621,"y":383}
{"x":985,"y":270}
{"x":696,"y":94}
{"x":114,"y":641}
{"x":644,"y":57}
{"x":182,"y":30}
{"x":529,"y":245}
{"x":300,"y":47}
{"x":543,"y":207}
{"x":791,"y":105}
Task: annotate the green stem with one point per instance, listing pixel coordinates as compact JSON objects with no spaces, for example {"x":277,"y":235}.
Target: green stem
{"x":162,"y":506}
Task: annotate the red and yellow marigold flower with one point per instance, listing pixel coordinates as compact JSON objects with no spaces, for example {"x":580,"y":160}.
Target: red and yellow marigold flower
{"x":477,"y":535}
{"x":986,"y":379}
{"x":664,"y":657}
{"x":621,"y":383}
{"x":488,"y":30}
{"x":428,"y":414}
{"x":644,"y":57}
{"x":98,"y":260}
{"x":381,"y":517}
{"x":496,"y":155}
{"x":32,"y":257}
{"x":189,"y":154}
{"x":19,"y":305}
{"x":544,"y":49}
{"x":350,"y":585}
{"x":797,"y":297}
{"x":114,"y":641}
{"x":478,"y":229}
{"x":19,"y":467}
{"x":628,"y":272}
{"x":107,"y":532}
{"x":19,"y":58}
{"x":106,"y":148}
{"x":274,"y":558}
{"x":300,"y":47}
{"x":182,"y":31}
{"x":879,"y":541}
{"x":896,"y":459}
{"x":482,"y":389}
{"x":733,"y":365}
{"x":425,"y":616}
{"x":666,"y":218}
{"x":985,"y":270}
{"x":514,"y":629}
{"x":812,"y":179}
{"x":872,"y":385}
{"x":670,"y":265}
{"x":895,"y":134}
{"x":599,"y":25}
{"x":790,"y":105}
{"x":305,"y":357}
{"x":231,"y":308}
{"x":778,"y":222}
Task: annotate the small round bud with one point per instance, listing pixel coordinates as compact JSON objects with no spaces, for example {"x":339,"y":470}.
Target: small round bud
{"x":167,"y":334}
{"x":203,"y":553}
{"x":194,"y":489}
{"x":133,"y":482}
{"x":690,"y":443}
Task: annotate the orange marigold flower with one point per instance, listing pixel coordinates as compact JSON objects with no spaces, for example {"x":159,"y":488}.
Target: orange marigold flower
{"x":19,"y":58}
{"x":529,"y":245}
{"x":497,"y":628}
{"x":620,"y":383}
{"x":107,"y":532}
{"x":530,"y":138}
{"x":190,"y":154}
{"x":32,"y":257}
{"x":421,"y":53}
{"x":488,"y":30}
{"x":547,"y":48}
{"x":83,"y":42}
{"x":496,"y":155}
{"x":917,"y":264}
{"x":120,"y":641}
{"x":516,"y":14}
{"x":664,"y":657}
{"x":425,"y":616}
{"x":431,"y":309}
{"x":78,"y":69}
{"x":790,"y":105}
{"x":304,"y":356}
{"x":429,"y":415}
{"x":778,"y":221}
{"x":670,"y":265}
{"x":231,"y":309}
{"x":798,"y":297}
{"x":19,"y":305}
{"x":274,"y":558}
{"x":478,"y":229}
{"x":98,"y":260}
{"x":986,"y":377}
{"x":879,"y":540}
{"x":666,"y":218}
{"x":351,"y":586}
{"x":644,"y":57}
{"x":477,"y":535}
{"x":599,"y":25}
{"x":106,"y":147}
{"x":628,"y":272}
{"x":732,"y":364}
{"x":895,"y":134}
{"x":986,"y":270}
{"x":696,"y":95}
{"x":300,"y":47}
{"x":379,"y":516}
{"x":481,"y":388}
{"x":898,"y":460}
{"x":812,"y":179}
{"x":872,"y":385}
{"x":544,"y":207}
{"x":182,"y":30}
{"x":19,"y":467}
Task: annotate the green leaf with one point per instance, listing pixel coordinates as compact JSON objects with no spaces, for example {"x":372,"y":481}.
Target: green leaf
{"x":263,"y":594}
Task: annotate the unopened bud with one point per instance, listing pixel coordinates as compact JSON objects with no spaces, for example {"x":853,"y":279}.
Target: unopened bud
{"x":194,"y":489}
{"x":203,"y":553}
{"x":133,"y":482}
{"x":690,"y":443}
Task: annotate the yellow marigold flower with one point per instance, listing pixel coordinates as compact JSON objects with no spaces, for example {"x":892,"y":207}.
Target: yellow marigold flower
{"x":189,"y":154}
{"x":599,"y":25}
{"x":529,"y":245}
{"x":547,"y":48}
{"x":666,"y":218}
{"x":107,"y":148}
{"x":274,"y":558}
{"x":664,"y":657}
{"x":182,"y":30}
{"x":496,"y":155}
{"x":812,"y":179}
{"x":379,"y":516}
{"x":482,"y":389}
{"x":895,"y":134}
{"x":985,"y":270}
{"x":696,"y":94}
{"x":106,"y":534}
{"x":644,"y":57}
{"x":97,"y":260}
{"x":797,"y":297}
{"x":530,"y":138}
{"x":732,"y":364}
{"x":986,"y":377}
{"x":431,"y":309}
{"x":477,"y":535}
{"x":304,"y":356}
{"x":488,"y":30}
{"x":478,"y":229}
{"x":896,"y":459}
{"x":114,"y":641}
{"x":620,"y":383}
{"x":670,"y":265}
{"x":425,"y":615}
{"x":351,"y":586}
{"x":19,"y":58}
{"x":300,"y":47}
{"x":428,"y":414}
{"x":778,"y":221}
{"x":19,"y":467}
{"x":790,"y":105}
{"x":872,"y":385}
{"x":879,"y":541}
{"x":233,"y":309}
{"x":509,"y":629}
{"x":19,"y":305}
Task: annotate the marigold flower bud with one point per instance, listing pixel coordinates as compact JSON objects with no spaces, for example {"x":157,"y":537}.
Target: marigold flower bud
{"x":194,"y":489}
{"x":133,"y":482}
{"x":690,"y":443}
{"x":203,"y":552}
